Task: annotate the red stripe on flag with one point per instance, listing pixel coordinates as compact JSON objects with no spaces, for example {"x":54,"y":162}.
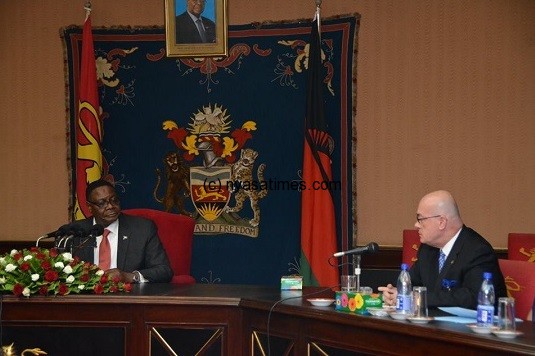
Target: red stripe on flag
{"x":318,"y":222}
{"x":89,"y":162}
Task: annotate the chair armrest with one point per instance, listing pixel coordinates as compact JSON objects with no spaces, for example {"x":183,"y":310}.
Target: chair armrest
{"x":183,"y":279}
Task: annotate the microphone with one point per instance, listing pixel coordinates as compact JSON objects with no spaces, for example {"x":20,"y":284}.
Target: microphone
{"x":73,"y":231}
{"x":63,"y":238}
{"x":63,"y":230}
{"x":96,"y":230}
{"x":372,"y":247}
{"x":88,"y":238}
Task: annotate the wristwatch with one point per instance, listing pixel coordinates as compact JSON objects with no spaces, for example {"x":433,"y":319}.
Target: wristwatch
{"x":137,"y":277}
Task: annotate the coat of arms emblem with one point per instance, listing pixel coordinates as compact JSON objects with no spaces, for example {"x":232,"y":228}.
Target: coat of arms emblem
{"x":226,"y":171}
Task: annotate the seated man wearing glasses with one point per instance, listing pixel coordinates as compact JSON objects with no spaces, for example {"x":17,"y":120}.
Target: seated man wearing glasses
{"x":129,"y":247}
{"x":455,"y":278}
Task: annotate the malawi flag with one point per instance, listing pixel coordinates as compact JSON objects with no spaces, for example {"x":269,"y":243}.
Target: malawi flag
{"x":89,"y":161}
{"x":318,"y":227}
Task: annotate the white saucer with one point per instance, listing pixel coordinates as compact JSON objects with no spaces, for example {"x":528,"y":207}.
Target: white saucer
{"x":482,"y":329}
{"x":506,"y":334}
{"x":377,"y":311}
{"x":321,"y":302}
{"x":399,"y":316}
{"x":420,"y":320}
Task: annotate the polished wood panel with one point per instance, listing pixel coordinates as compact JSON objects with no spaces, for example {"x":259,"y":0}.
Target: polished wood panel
{"x":296,"y":319}
{"x":235,"y":320}
{"x":147,"y":307}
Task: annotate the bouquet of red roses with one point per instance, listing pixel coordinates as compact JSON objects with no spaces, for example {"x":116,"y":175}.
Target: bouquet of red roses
{"x":48,"y":272}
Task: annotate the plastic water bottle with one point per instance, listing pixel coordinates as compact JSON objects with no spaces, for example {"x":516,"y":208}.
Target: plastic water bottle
{"x":404,"y":285}
{"x":485,"y":302}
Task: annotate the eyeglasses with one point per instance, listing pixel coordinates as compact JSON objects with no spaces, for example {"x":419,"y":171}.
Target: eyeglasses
{"x":114,"y":201}
{"x":420,"y":219}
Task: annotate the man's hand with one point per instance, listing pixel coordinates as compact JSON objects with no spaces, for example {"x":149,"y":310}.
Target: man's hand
{"x":126,"y":277}
{"x":390,"y":294}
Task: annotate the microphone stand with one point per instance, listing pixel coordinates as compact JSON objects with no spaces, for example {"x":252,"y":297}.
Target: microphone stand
{"x":356,"y":264}
{"x":42,"y":237}
{"x":64,"y":240}
{"x":83,"y":243}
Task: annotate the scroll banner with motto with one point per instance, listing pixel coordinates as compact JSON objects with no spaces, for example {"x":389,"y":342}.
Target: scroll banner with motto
{"x":221,"y":139}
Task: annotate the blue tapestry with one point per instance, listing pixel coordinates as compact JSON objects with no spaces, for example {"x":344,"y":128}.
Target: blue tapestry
{"x":221,"y":139}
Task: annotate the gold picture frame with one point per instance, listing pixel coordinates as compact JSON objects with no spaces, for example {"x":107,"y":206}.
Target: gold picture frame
{"x":183,"y":38}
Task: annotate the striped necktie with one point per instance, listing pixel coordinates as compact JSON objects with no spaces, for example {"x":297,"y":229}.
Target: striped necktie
{"x":441,"y":260}
{"x":201,"y":29}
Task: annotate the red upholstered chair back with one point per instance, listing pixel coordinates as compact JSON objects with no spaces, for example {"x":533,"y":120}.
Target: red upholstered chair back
{"x":176,"y":235}
{"x":520,"y":281}
{"x":411,"y":243}
{"x":521,"y":247}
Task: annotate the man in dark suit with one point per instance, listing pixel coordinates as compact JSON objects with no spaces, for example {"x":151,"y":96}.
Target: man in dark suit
{"x":467,"y":255}
{"x":191,"y":27}
{"x":130,"y":247}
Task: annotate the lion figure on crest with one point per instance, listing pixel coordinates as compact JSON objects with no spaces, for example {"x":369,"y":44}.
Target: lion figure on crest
{"x":177,"y":176}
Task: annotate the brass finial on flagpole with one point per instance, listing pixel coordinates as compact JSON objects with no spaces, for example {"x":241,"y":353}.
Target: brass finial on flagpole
{"x":317,"y":15}
{"x":87,"y":8}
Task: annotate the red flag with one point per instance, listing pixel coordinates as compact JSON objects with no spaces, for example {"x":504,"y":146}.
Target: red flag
{"x":318,"y":225}
{"x":89,"y":161}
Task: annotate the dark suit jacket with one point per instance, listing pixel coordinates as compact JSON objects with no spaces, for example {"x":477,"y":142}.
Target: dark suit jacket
{"x":186,"y":30}
{"x":469,"y":258}
{"x":139,"y":248}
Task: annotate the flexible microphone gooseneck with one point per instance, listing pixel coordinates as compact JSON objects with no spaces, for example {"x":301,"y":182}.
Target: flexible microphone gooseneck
{"x":62,"y":231}
{"x":372,"y":247}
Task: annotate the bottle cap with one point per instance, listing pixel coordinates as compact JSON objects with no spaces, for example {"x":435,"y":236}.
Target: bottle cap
{"x":487,"y":275}
{"x":404,"y":266}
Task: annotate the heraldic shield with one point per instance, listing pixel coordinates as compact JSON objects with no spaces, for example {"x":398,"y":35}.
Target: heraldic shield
{"x":209,"y":190}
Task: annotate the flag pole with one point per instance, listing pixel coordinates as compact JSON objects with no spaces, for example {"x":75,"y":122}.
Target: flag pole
{"x":318,"y":221}
{"x":318,"y":16}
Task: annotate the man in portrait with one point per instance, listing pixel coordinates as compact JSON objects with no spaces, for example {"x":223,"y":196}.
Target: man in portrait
{"x":191,"y":27}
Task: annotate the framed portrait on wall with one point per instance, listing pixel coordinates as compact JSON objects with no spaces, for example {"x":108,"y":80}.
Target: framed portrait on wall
{"x":196,"y":28}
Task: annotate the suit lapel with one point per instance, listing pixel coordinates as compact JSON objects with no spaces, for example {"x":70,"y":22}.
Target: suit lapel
{"x":455,"y":250}
{"x":122,"y":243}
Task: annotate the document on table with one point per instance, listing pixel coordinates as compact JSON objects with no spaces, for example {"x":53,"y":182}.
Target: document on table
{"x":461,"y":315}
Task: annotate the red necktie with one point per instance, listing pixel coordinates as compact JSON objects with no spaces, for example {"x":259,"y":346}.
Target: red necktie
{"x":104,"y":252}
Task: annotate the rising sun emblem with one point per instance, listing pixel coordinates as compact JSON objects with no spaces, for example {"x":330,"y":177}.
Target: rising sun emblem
{"x":210,"y":211}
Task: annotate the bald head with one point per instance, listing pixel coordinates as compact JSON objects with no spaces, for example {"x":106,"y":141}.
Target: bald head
{"x":439,"y":218}
{"x":442,"y":203}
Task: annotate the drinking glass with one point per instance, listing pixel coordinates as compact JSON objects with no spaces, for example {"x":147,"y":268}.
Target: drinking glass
{"x":419,"y":302}
{"x":348,"y":282}
{"x":506,"y":314}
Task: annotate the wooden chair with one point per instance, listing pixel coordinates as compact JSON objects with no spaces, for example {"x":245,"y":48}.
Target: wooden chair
{"x":520,"y":282}
{"x":176,"y":234}
{"x":411,"y":243}
{"x":521,"y":246}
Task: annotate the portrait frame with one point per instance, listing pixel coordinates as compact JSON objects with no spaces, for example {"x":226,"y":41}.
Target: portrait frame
{"x":176,"y":48}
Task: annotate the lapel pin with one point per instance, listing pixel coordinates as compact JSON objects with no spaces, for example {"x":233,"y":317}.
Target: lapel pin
{"x":125,"y":237}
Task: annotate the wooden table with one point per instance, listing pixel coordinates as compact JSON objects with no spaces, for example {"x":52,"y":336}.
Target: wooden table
{"x":155,"y":319}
